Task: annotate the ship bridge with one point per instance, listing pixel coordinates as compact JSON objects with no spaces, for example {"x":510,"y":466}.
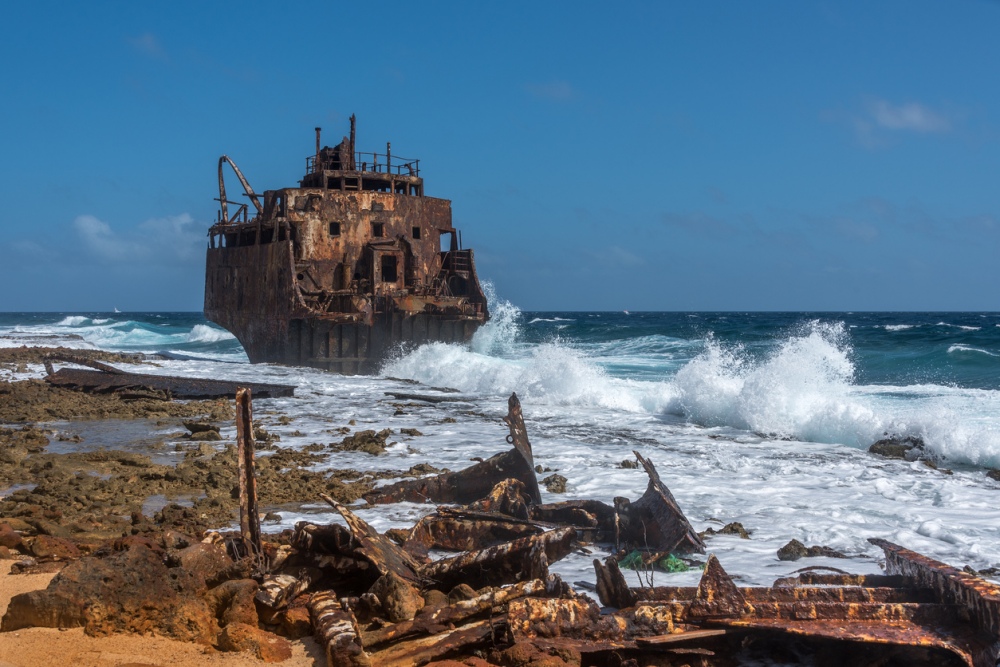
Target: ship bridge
{"x":343,"y":168}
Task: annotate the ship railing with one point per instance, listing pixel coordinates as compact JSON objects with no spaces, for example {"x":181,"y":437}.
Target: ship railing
{"x":377,"y":163}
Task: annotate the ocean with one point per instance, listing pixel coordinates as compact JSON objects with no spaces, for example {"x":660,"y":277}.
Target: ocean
{"x":760,"y":418}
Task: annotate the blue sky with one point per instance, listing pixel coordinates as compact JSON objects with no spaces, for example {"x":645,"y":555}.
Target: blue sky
{"x":642,"y":156}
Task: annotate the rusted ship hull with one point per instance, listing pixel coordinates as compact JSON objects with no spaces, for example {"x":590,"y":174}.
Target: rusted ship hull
{"x":251,"y":292}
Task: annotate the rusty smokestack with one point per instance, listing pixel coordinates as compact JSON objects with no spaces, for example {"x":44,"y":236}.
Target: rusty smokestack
{"x":316,"y":166}
{"x":353,"y":127}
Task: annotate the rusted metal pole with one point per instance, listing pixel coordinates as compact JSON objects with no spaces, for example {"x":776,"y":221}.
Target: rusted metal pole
{"x":388,"y":157}
{"x":249,"y":516}
{"x":316,"y":165}
{"x":353,"y":126}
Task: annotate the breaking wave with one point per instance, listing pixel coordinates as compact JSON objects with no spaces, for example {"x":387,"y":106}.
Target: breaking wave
{"x":804,"y":389}
{"x":202,"y":333}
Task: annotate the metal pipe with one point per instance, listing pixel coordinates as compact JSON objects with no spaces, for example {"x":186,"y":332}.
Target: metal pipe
{"x":353,"y":126}
{"x":316,"y":165}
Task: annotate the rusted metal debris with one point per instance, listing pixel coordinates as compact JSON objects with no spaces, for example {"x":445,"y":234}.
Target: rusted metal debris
{"x":249,"y":513}
{"x":339,"y":271}
{"x":932,"y":614}
{"x":384,"y":555}
{"x":374,"y":602}
{"x":109,"y":379}
{"x":476,"y":482}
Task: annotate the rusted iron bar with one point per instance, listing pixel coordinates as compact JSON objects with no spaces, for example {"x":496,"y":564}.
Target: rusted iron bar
{"x":464,"y":486}
{"x":178,"y":387}
{"x":501,"y":564}
{"x":83,"y":361}
{"x":980,"y":598}
{"x":384,"y":555}
{"x":422,"y":650}
{"x":249,"y":514}
{"x":456,"y":530}
{"x":519,"y":438}
{"x":475,"y":482}
{"x":337,"y":631}
{"x":436,"y":619}
{"x":655,"y":521}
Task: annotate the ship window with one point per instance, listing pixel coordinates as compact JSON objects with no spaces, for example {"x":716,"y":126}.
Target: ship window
{"x":334,"y":229}
{"x":378,"y":229}
{"x":388,"y":268}
{"x":416,"y":232}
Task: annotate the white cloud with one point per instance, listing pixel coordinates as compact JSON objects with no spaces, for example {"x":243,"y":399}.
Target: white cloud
{"x":623,"y":257}
{"x":176,"y":235}
{"x":911,"y":116}
{"x":172,"y":239}
{"x":30,"y":249}
{"x":148,"y":44}
{"x":557,"y":91}
{"x":98,"y":237}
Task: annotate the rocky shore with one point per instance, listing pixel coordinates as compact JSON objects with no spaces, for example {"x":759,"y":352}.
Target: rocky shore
{"x":112,"y":538}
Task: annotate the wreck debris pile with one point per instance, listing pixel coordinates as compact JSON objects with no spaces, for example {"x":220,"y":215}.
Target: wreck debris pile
{"x":380,"y":599}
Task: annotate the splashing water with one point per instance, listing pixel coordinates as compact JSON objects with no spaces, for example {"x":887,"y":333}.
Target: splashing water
{"x":502,"y":332}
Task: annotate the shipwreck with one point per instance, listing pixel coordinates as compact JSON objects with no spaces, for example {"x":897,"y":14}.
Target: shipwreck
{"x":339,"y":272}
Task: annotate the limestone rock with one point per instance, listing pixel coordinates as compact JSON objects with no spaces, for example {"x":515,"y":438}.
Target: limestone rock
{"x":129,"y":591}
{"x":46,"y":547}
{"x":9,"y":537}
{"x":400,"y":601}
{"x":909,"y":448}
{"x":264,"y":645}
{"x":210,"y":561}
{"x":365,"y":441}
{"x":295,"y":623}
{"x":555,"y":483}
{"x":461,"y":592}
{"x":234,"y":602}
{"x":795,"y":550}
{"x":199,"y":427}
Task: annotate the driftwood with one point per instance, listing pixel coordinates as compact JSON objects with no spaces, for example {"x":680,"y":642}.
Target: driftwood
{"x":337,"y":631}
{"x":249,"y":513}
{"x":475,"y":482}
{"x":384,"y":555}
{"x":110,"y":379}
{"x":655,"y":521}
{"x":501,"y":564}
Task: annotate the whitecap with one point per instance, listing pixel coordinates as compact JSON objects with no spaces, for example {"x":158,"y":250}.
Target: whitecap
{"x":966,"y":348}
{"x":202,"y":333}
{"x":958,"y":326}
{"x":73,"y":321}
